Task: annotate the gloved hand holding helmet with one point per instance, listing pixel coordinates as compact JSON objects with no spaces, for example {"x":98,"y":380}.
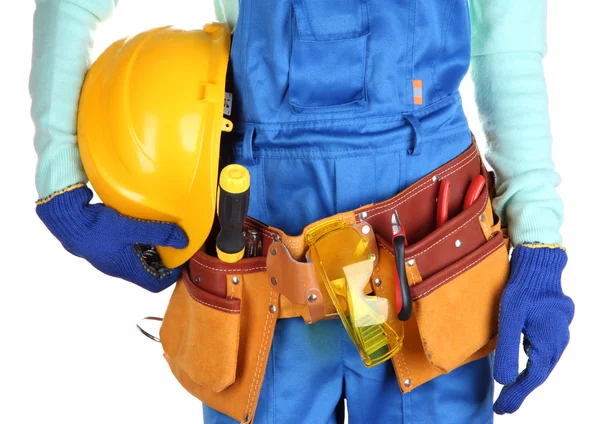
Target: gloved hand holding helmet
{"x":115,"y":244}
{"x":149,"y":124}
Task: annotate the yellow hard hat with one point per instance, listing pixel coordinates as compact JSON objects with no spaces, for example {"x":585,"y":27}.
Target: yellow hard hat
{"x":149,"y":128}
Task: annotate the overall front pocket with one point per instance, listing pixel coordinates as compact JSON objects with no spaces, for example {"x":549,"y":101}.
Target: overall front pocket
{"x":200,"y":336}
{"x":457,"y":308}
{"x":329,"y":54}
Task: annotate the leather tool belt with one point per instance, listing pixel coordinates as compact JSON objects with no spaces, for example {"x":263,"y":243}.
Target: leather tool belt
{"x":219,"y":324}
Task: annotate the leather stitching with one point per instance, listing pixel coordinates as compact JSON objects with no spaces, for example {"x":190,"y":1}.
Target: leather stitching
{"x":487,"y":229}
{"x":405,"y":364}
{"x":453,"y":232}
{"x":471,"y":265}
{"x":425,"y":186}
{"x":210,"y":305}
{"x":395,"y":357}
{"x":386,"y":249}
{"x":412,"y":274}
{"x":253,"y":390}
{"x":259,"y":268}
{"x":233,"y":290}
{"x":444,"y":238}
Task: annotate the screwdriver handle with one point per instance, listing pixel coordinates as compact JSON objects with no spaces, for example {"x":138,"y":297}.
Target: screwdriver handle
{"x":232,"y":209}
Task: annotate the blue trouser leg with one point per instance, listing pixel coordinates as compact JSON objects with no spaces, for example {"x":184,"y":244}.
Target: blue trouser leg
{"x":312,"y":368}
{"x":462,"y":397}
{"x":304,"y":377}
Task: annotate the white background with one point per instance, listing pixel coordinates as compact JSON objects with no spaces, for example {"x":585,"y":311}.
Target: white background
{"x":69,"y":348}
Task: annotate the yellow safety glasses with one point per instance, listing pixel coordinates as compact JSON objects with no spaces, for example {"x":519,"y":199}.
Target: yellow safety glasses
{"x":344,"y":261}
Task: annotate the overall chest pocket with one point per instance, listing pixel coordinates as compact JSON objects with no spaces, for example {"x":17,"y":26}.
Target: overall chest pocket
{"x":329,"y":55}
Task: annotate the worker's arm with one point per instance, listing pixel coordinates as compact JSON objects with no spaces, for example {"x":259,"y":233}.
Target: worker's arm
{"x":508,"y":44}
{"x":62,"y":42}
{"x":63,"y":34}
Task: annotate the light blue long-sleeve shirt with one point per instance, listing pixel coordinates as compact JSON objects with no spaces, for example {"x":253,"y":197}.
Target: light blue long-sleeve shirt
{"x":508,"y":44}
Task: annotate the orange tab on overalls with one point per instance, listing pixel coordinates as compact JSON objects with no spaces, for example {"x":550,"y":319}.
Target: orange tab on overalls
{"x":418,"y":92}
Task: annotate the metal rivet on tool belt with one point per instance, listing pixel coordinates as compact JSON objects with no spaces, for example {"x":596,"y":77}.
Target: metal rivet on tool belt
{"x":235,"y":280}
{"x":272,"y":309}
{"x":458,"y":243}
{"x":366,"y":230}
{"x":377,"y":282}
{"x":276,"y":237}
{"x":482,"y":217}
{"x":274,"y":281}
{"x":363,"y":215}
{"x":273,"y":251}
{"x":435,"y":178}
{"x":198,"y":280}
{"x":372,"y":257}
{"x":312,"y":298}
{"x":407,"y":382}
{"x":411,"y":262}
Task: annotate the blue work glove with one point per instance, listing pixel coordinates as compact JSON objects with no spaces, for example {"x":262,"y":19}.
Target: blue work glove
{"x":534,"y":304}
{"x":116,"y":245}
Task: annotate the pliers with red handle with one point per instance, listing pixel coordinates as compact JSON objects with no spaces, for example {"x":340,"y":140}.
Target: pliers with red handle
{"x":474,"y":191}
{"x":403,"y":295}
{"x":443,"y":201}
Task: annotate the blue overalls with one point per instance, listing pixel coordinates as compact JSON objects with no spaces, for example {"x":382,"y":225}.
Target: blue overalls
{"x":337,"y":104}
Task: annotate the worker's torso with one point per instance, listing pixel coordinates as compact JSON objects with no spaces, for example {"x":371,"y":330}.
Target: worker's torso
{"x":331,"y":97}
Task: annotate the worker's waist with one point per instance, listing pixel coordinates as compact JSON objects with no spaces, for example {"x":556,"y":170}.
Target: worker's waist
{"x":417,"y":205}
{"x":333,"y":135}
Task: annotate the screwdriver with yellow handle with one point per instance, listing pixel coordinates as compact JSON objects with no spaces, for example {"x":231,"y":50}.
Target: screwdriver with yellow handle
{"x":232,"y":209}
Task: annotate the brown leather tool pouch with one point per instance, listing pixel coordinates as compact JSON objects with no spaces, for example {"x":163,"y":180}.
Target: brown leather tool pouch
{"x":455,"y":314}
{"x":200,"y":336}
{"x":217,"y":332}
{"x":456,"y":309}
{"x":457,"y":273}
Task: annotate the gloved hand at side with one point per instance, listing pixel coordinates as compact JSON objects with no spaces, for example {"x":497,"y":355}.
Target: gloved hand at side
{"x":111,"y":242}
{"x":533,"y":303}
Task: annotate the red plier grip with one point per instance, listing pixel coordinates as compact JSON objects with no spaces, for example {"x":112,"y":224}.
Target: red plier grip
{"x":474,"y":191}
{"x":443,"y":203}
